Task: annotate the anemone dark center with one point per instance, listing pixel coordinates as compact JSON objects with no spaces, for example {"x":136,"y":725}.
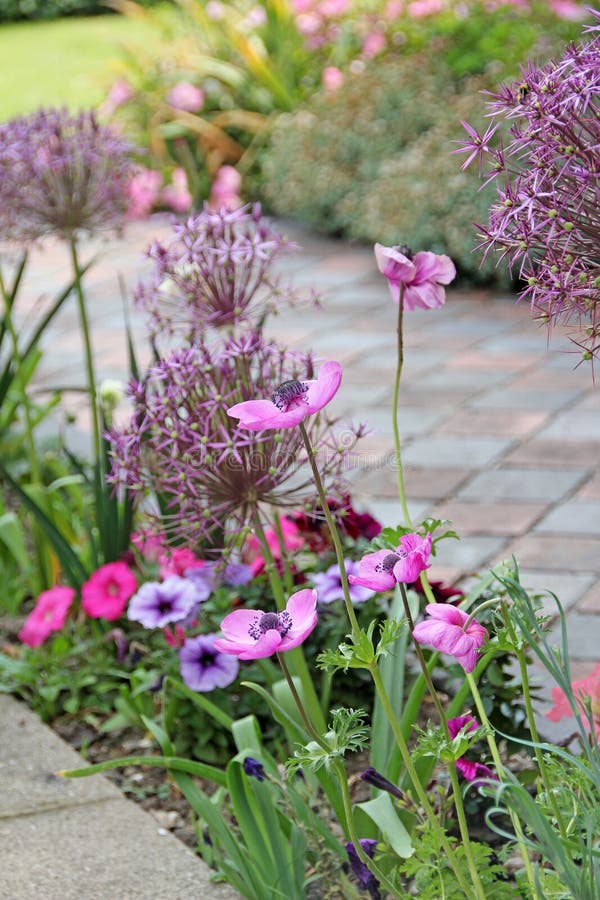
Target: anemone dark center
{"x":405,"y":250}
{"x":281,"y":622}
{"x":288,"y":392}
{"x":388,"y":562}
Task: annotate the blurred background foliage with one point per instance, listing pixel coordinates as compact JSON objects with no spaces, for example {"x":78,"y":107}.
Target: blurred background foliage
{"x":339,"y":113}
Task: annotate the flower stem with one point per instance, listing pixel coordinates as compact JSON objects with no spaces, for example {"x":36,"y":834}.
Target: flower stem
{"x":397,"y":445}
{"x":287,"y":572}
{"x":498,"y":763}
{"x":464,"y":832}
{"x":296,"y":655}
{"x":546,"y":781}
{"x":89,"y":360}
{"x":366,"y":860}
{"x":437,"y":829}
{"x":303,"y":714}
{"x":335,"y":535}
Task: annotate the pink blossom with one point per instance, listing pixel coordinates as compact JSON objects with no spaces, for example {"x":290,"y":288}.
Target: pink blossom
{"x":332,"y":78}
{"x":120,"y":92}
{"x":292,"y":540}
{"x":445,"y":631}
{"x":568,"y":10}
{"x":215,"y":10}
{"x":176,"y":195}
{"x":309,"y":23}
{"x":582,"y":689}
{"x":393,"y":9}
{"x":374,"y":44}
{"x":292,"y":402}
{"x":149,"y":544}
{"x":48,"y":615}
{"x":179,"y":561}
{"x":186,"y":96}
{"x":422,"y":274}
{"x":382,"y":570}
{"x":332,"y":8}
{"x":472,"y":771}
{"x":143,"y":192}
{"x":252,"y":634}
{"x":105,"y":594}
{"x":256,"y":17}
{"x":420,"y":9}
{"x":225,"y":189}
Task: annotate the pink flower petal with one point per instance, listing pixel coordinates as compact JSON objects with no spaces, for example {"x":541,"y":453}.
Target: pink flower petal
{"x":235,"y":626}
{"x":267,"y":644}
{"x":431,"y":267}
{"x":371,"y":575}
{"x":258,"y":415}
{"x":326,"y":386}
{"x":447,"y":613}
{"x":424,"y":296}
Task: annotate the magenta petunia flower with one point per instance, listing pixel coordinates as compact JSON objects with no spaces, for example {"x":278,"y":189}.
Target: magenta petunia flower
{"x":203,"y":668}
{"x":445,"y":631}
{"x":423,"y":275}
{"x":105,"y":594}
{"x":48,"y":615}
{"x":382,"y":570}
{"x":252,"y":634}
{"x":472,"y":771}
{"x":291,"y":402}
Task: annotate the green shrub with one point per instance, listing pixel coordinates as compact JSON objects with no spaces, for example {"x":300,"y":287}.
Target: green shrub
{"x":374,"y":162}
{"x":11,"y":10}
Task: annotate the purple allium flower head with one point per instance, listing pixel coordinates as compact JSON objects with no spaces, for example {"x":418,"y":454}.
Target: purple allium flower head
{"x":156,"y":604}
{"x":328,"y":584}
{"x":203,"y":668}
{"x":254,"y":768}
{"x":216,"y":271}
{"x":61,"y":174}
{"x":365,"y":877}
{"x":213,"y":474}
{"x":546,"y":220}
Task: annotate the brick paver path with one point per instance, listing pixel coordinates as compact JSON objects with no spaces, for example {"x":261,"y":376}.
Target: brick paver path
{"x":501,"y":434}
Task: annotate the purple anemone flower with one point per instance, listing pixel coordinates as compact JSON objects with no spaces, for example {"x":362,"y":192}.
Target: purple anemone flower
{"x":156,"y":604}
{"x":329,"y":584}
{"x":203,"y":667}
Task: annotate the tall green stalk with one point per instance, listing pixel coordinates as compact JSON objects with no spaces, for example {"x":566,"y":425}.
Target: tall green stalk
{"x":498,"y":763}
{"x":89,"y":359}
{"x":396,"y":429}
{"x":296,"y":656}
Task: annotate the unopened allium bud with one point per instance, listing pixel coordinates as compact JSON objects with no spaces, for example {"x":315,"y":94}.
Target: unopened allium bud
{"x":110,"y":394}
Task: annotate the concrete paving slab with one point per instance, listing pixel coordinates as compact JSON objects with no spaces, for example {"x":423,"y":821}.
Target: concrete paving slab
{"x":575,"y":517}
{"x":522,"y":484}
{"x":80,"y":839}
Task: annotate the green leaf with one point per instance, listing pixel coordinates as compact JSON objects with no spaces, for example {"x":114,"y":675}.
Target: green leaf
{"x":381,"y":811}
{"x":200,"y":770}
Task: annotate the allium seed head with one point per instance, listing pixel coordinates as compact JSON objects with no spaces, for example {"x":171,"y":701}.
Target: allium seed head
{"x":61,"y":174}
{"x":181,"y":445}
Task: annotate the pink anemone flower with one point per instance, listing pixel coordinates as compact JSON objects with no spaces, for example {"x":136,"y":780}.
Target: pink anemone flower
{"x":292,"y":402}
{"x":252,"y":634}
{"x":584,"y":687}
{"x":472,"y":771}
{"x":381,"y":571}
{"x":48,"y":615}
{"x":423,"y":275}
{"x":446,"y":631}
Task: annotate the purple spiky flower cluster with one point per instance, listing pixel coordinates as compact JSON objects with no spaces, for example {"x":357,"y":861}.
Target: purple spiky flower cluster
{"x":546,"y":220}
{"x":215,"y":272}
{"x":61,"y":174}
{"x":211,"y":475}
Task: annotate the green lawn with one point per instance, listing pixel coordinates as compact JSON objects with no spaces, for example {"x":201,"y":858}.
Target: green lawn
{"x":63,"y":62}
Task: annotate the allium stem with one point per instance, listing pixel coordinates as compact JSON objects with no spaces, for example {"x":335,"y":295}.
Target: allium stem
{"x":498,"y":763}
{"x":303,"y":714}
{"x":397,"y":445}
{"x":89,"y":360}
{"x":335,"y":535}
{"x":437,"y":829}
